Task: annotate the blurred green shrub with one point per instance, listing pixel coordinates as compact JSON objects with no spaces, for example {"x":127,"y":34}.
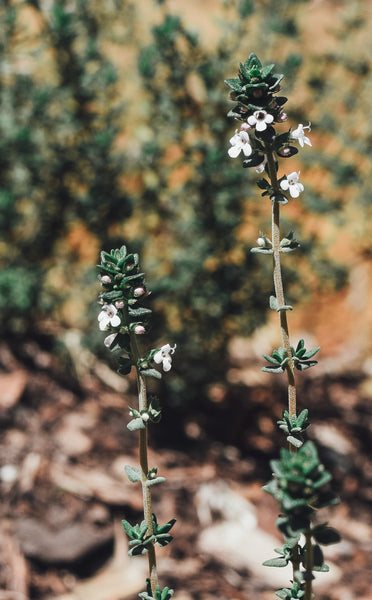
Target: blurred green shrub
{"x":58,"y":124}
{"x":171,"y":192}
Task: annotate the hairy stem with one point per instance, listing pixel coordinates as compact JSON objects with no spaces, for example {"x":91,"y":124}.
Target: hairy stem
{"x":309,"y":564}
{"x":278,"y":283}
{"x":279,"y":293}
{"x":146,"y":492}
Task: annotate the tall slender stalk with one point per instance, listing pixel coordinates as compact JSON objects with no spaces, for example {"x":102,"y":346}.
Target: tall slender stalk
{"x":278,"y":284}
{"x":300,"y":482}
{"x":144,"y":466}
{"x":125,"y":318}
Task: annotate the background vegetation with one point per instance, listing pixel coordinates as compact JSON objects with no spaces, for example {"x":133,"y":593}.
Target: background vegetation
{"x":113,"y":128}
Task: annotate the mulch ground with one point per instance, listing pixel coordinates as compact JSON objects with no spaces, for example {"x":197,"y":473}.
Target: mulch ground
{"x":63,"y":447}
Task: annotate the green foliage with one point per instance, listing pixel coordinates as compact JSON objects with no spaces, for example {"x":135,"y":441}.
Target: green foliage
{"x":160,"y":594}
{"x":57,"y":133}
{"x":152,"y":413}
{"x":300,"y":485}
{"x":301,"y":357}
{"x":294,"y":592}
{"x":140,"y":541}
{"x":294,"y":426}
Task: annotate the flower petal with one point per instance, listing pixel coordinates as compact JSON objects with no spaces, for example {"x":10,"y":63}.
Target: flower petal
{"x":158,"y":357}
{"x":115,"y":321}
{"x":284,"y":184}
{"x":234,"y":151}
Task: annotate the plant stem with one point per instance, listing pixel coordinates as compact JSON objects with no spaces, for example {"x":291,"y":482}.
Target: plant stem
{"x":279,"y":293}
{"x":309,"y":567}
{"x":278,"y":283}
{"x":146,"y":492}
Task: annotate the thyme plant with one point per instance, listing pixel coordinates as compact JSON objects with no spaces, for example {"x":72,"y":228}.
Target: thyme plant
{"x":300,"y":482}
{"x":125,"y":318}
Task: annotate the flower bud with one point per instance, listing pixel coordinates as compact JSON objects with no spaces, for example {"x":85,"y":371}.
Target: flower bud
{"x":245,"y":127}
{"x":138,"y":292}
{"x":119,"y":304}
{"x":283,"y":117}
{"x":105,"y":279}
{"x":260,"y":242}
{"x":145,"y":416}
{"x":139,"y":330}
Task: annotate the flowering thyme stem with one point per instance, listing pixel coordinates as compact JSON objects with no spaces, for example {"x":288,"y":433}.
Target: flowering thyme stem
{"x":146,"y":493}
{"x":309,"y":553}
{"x":278,"y":282}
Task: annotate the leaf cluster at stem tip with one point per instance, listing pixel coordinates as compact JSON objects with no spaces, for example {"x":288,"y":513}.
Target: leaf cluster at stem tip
{"x":124,"y":316}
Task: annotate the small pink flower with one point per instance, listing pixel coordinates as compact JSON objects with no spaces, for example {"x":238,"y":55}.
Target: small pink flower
{"x":105,"y":279}
{"x":138,"y":292}
{"x":139,"y":330}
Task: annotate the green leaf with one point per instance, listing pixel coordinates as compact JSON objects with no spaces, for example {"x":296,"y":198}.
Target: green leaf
{"x":294,"y":441}
{"x":311,"y":353}
{"x":301,"y":344}
{"x":138,"y":550}
{"x":259,"y":250}
{"x":302,"y":366}
{"x":263,"y":184}
{"x":302,"y":417}
{"x":133,"y":473}
{"x":271,"y":359}
{"x":253,"y":62}
{"x":326,"y":535}
{"x":128,"y":528}
{"x":235,"y":84}
{"x":276,"y":562}
{"x":150,"y":482}
{"x":284,"y":593}
{"x":139,"y":312}
{"x":272,"y":370}
{"x":273,"y":302}
{"x":151,"y":373}
{"x":284,"y":307}
{"x":267,"y":70}
{"x":125,"y":366}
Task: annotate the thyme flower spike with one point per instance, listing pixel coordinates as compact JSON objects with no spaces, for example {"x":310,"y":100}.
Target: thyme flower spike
{"x":300,"y":482}
{"x":126,"y":319}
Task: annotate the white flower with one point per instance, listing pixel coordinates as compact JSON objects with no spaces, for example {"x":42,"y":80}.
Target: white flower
{"x":299,"y":135}
{"x":239,"y":142}
{"x":164,"y":356}
{"x":260,"y":119}
{"x":292,"y":184}
{"x":108,"y":316}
